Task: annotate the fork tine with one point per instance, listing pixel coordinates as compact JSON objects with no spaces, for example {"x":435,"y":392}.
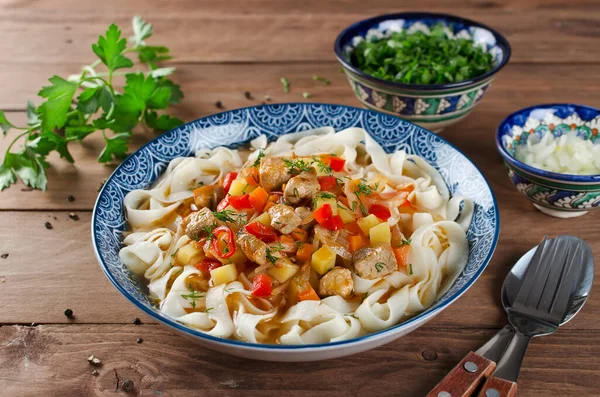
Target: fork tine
{"x":556,"y":263}
{"x":548,"y":261}
{"x":564,"y":293}
{"x":530,"y":273}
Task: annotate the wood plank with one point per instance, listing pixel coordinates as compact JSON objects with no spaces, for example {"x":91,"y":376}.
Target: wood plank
{"x":517,"y":86}
{"x":54,"y":31}
{"x":61,"y":272}
{"x":51,"y":361}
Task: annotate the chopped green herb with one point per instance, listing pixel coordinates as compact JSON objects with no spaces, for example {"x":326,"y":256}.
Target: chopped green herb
{"x":245,"y":187}
{"x":362,"y":189}
{"x":354,"y":205}
{"x":341,"y":70}
{"x":420,"y":58}
{"x":228,"y":290}
{"x":407,"y":242}
{"x":208,"y":231}
{"x":351,"y":315}
{"x":322,"y":166}
{"x":321,"y":196}
{"x":297,"y":166}
{"x":225,"y":216}
{"x":261,"y":154}
{"x":299,"y":244}
{"x":411,"y":270}
{"x":174,"y":253}
{"x":208,"y":309}
{"x":323,"y":79}
{"x":286,"y":84}
{"x":296,"y":194}
{"x":270,"y":256}
{"x":379,"y":266}
{"x":306,"y":95}
{"x":192,"y":297}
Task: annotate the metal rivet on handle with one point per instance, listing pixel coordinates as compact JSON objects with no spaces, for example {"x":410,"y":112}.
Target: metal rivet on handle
{"x":471,"y":367}
{"x":492,"y":393}
{"x":444,"y":394}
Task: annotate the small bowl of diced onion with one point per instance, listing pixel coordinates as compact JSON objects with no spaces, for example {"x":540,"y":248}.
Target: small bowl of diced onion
{"x":552,"y":153}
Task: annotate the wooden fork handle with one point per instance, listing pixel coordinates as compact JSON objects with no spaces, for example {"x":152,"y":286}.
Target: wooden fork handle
{"x":497,"y":387}
{"x":463,"y":380}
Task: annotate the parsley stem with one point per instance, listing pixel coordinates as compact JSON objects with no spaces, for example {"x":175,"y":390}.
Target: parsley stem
{"x":16,"y":139}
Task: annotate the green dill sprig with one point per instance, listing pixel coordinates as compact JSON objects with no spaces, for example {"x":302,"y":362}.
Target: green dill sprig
{"x":286,"y":84}
{"x":322,"y":79}
{"x":261,"y":154}
{"x":379,"y":266}
{"x":191,"y":297}
{"x":297,"y":166}
{"x":225,"y":216}
{"x":322,"y":166}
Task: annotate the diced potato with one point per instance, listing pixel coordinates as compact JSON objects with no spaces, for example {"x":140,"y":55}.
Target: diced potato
{"x":345,"y":213}
{"x":323,"y":260}
{"x":380,"y":234}
{"x":320,"y":201}
{"x":263,"y":218}
{"x":189,"y":254}
{"x":240,"y":186}
{"x":237,"y":258}
{"x":367,"y":223}
{"x":224,"y":274}
{"x":285,"y":272}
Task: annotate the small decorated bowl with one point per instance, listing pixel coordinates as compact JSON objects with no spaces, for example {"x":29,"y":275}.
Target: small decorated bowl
{"x":555,"y":194}
{"x":432,"y":106}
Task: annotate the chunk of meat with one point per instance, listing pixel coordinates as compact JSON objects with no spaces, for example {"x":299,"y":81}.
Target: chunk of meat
{"x":283,"y":218}
{"x":208,"y":196}
{"x":254,"y":249}
{"x":305,"y":214}
{"x":303,"y":186}
{"x":198,"y":221}
{"x":372,"y":263}
{"x":273,"y":173}
{"x":338,"y":281}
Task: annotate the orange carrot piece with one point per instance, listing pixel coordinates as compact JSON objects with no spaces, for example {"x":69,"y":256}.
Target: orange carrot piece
{"x":357,"y":242}
{"x":304,"y":252}
{"x":307,"y":294}
{"x":299,"y":234}
{"x":401,"y":253}
{"x":258,"y":198}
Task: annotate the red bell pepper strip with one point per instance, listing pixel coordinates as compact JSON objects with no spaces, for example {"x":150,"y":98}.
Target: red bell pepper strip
{"x":223,"y":234}
{"x":380,"y":211}
{"x":207,"y":265}
{"x":325,"y":217}
{"x":327,"y":182}
{"x":262,"y":285}
{"x":240,"y":202}
{"x":262,"y":232}
{"x":336,"y":163}
{"x":230,"y":177}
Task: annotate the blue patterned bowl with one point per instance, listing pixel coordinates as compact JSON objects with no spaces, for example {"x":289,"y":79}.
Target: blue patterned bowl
{"x":559,"y":195}
{"x":237,"y":127}
{"x":432,"y":106}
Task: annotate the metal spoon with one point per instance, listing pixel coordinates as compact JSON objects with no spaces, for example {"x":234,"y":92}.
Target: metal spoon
{"x":538,"y":299}
{"x":465,"y":377}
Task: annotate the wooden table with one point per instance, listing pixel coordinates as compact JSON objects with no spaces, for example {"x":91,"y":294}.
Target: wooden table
{"x":223,"y":48}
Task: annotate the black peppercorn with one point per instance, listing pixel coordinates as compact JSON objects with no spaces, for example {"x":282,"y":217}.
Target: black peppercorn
{"x":139,"y":340}
{"x":248,"y":95}
{"x":127,"y":386}
{"x":219,"y":104}
{"x":137,"y":321}
{"x":74,"y":216}
{"x":48,"y":225}
{"x":4,"y":256}
{"x":69,"y":313}
{"x":71,"y":198}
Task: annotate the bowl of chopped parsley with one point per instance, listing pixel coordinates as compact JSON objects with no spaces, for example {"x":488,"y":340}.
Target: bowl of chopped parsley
{"x":430,"y":69}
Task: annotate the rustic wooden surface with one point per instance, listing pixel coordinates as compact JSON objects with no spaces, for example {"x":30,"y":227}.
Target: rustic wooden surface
{"x":222,"y":49}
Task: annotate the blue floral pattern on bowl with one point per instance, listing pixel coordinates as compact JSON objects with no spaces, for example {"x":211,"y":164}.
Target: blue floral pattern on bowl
{"x":237,"y":127}
{"x":560,"y":195}
{"x":433,"y":106}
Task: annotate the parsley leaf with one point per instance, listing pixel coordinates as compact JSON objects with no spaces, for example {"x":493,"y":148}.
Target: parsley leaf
{"x":116,"y":147}
{"x":141,"y":31}
{"x":5,"y":125}
{"x":53,"y":112}
{"x":164,"y":122}
{"x":110,"y":49}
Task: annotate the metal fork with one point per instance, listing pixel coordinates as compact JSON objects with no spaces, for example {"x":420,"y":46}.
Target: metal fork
{"x":541,"y":304}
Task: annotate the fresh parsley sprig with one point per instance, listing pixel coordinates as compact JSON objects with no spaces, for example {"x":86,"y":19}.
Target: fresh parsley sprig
{"x":82,"y":104}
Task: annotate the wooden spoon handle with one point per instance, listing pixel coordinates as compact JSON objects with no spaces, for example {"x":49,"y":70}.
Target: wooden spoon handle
{"x":463,"y":380}
{"x":497,"y":387}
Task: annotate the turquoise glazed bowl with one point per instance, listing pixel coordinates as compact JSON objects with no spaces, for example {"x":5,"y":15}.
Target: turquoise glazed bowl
{"x":432,"y":106}
{"x":559,"y":195}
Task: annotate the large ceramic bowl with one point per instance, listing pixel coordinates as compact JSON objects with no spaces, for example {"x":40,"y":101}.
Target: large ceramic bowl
{"x":236,"y":127}
{"x":433,"y":106}
{"x":559,"y":195}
